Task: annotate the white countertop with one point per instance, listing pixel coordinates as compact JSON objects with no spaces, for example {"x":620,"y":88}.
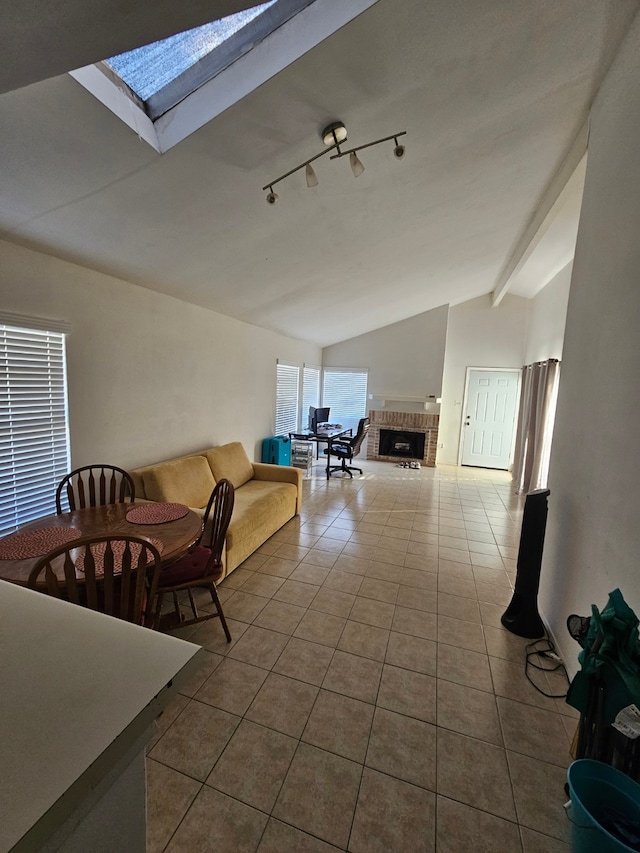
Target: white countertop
{"x":77,"y":690}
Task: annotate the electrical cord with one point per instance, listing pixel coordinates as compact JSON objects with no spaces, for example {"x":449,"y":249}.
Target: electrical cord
{"x":548,"y":653}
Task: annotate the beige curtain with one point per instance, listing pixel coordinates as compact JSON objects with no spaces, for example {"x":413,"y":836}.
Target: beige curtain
{"x":538,"y":397}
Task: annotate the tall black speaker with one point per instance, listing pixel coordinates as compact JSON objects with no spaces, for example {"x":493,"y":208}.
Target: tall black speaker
{"x":521,"y":616}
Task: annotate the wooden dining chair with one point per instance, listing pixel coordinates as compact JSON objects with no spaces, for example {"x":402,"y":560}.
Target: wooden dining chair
{"x":116,"y":575}
{"x":94,"y":485}
{"x":201,"y":566}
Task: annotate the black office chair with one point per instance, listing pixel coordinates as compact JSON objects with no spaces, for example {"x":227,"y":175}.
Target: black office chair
{"x":346,"y":448}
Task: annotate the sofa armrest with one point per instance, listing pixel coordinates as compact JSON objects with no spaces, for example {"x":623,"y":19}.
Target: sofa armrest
{"x":280,"y":474}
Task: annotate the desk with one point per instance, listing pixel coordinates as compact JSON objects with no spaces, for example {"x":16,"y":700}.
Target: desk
{"x":176,"y":536}
{"x":328,"y":435}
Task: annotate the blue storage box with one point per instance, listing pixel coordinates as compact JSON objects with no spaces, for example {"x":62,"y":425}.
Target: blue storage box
{"x":277,"y":450}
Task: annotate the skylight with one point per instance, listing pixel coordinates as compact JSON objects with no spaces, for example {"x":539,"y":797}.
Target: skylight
{"x":166,"y":72}
{"x":169,"y":89}
{"x":147,"y":70}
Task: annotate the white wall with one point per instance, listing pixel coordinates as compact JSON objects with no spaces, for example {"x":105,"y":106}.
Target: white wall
{"x":547,"y":318}
{"x":593,"y":535}
{"x":150,"y":377}
{"x":404,"y":358}
{"x":477,"y":336}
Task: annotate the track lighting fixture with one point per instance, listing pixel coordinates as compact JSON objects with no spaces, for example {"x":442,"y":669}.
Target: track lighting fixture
{"x":333,"y":135}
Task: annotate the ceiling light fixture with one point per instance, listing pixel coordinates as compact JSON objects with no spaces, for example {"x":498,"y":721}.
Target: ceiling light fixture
{"x":333,"y":135}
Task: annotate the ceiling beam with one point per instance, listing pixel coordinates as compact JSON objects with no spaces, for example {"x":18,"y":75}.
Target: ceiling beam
{"x":551,"y":203}
{"x":44,"y":38}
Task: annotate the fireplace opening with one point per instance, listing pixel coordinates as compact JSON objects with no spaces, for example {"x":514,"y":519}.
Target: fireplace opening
{"x":407,"y":445}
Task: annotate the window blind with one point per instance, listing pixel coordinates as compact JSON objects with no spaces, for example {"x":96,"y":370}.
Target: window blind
{"x":310,"y":391}
{"x":344,"y":390}
{"x":287,"y":382}
{"x":34,"y":434}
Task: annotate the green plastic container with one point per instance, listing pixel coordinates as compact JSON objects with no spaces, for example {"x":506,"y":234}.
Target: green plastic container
{"x":605,"y":808}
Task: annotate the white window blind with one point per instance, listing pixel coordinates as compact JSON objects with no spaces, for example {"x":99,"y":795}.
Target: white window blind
{"x":34,"y":435}
{"x":344,"y":390}
{"x":310,"y":391}
{"x":287,"y":382}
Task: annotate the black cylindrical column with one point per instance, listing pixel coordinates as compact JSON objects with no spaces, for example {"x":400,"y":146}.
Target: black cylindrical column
{"x":521,"y":616}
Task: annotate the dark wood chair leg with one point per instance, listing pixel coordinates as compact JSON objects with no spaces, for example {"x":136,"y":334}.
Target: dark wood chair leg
{"x":216,"y":601}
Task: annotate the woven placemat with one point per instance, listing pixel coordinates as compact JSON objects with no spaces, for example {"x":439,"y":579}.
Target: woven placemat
{"x":156,"y":513}
{"x":35,"y":543}
{"x":99,"y":549}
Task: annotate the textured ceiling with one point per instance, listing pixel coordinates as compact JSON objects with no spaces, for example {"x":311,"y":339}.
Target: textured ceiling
{"x":491,"y":94}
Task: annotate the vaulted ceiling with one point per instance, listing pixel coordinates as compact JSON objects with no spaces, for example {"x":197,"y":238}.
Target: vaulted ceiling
{"x":493,"y":95}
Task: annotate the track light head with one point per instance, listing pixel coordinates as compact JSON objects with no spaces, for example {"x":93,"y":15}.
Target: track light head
{"x":398,"y":152}
{"x":272,"y":198}
{"x":356,"y":164}
{"x":312,"y":178}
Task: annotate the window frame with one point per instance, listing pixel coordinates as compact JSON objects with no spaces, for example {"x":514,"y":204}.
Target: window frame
{"x":309,"y":27}
{"x":205,"y":68}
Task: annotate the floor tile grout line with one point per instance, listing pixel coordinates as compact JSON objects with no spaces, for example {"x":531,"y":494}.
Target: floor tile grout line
{"x":186,"y":812}
{"x":477,"y":598}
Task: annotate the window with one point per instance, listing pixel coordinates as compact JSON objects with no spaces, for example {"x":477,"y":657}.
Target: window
{"x":287,"y":382}
{"x":344,"y":390}
{"x":163,"y":73}
{"x":168,"y":89}
{"x":310,"y":391}
{"x":34,"y":435}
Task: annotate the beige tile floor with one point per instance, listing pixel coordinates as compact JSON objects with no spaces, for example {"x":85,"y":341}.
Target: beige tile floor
{"x":370,"y":699}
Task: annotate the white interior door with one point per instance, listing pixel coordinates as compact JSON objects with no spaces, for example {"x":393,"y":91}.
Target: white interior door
{"x":489,"y":418}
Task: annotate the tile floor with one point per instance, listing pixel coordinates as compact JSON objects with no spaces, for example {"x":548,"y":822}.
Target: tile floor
{"x":370,"y":699}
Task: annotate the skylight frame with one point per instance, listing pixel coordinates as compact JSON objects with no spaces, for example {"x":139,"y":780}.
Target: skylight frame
{"x":221,"y":57}
{"x":316,"y":21}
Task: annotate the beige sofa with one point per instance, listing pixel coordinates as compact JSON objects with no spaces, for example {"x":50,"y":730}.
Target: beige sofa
{"x":266,"y":496}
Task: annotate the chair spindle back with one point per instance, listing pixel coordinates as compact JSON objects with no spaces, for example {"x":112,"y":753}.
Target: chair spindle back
{"x":94,"y":485}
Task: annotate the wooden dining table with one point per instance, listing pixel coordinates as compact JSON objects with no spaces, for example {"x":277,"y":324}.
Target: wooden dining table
{"x":174,"y":536}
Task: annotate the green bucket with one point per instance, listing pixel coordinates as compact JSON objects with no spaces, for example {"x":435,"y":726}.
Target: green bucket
{"x":605,"y":808}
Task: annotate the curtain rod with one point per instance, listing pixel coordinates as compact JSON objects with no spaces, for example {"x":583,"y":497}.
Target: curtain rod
{"x":546,"y":361}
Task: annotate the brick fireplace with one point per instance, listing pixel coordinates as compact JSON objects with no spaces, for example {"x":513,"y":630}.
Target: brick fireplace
{"x":404,"y":423}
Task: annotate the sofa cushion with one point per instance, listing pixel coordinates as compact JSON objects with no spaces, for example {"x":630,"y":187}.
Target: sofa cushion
{"x":259,"y":505}
{"x":187,"y":480}
{"x":230,"y":462}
